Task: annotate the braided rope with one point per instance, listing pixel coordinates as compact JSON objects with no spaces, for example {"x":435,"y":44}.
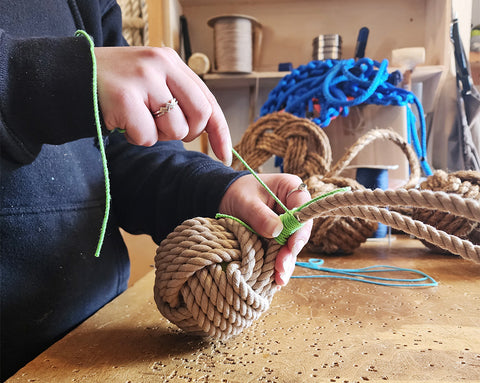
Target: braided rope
{"x":337,"y":85}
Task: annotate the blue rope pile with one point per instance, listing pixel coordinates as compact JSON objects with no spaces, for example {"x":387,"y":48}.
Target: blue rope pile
{"x":340,"y":84}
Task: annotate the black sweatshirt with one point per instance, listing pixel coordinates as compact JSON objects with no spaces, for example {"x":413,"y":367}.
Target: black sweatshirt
{"x":52,"y":190}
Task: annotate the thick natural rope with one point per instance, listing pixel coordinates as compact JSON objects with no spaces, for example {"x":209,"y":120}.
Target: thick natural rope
{"x":369,"y":137}
{"x":370,"y":205}
{"x":337,"y":233}
{"x":463,"y":183}
{"x":303,"y":146}
{"x":215,"y":277}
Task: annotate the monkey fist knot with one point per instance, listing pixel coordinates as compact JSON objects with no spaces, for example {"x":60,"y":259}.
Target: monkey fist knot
{"x":214,"y":277}
{"x":337,"y":234}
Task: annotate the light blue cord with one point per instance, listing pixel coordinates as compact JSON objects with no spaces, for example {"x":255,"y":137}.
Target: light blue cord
{"x":340,"y":84}
{"x":360,"y":275}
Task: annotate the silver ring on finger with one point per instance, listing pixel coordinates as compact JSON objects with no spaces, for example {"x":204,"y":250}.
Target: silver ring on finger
{"x":165,"y":108}
{"x":301,"y":188}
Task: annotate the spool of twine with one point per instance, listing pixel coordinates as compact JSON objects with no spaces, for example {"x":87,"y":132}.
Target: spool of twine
{"x":233,"y":43}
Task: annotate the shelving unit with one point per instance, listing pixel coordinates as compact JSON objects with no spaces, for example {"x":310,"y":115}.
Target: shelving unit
{"x":290,"y":27}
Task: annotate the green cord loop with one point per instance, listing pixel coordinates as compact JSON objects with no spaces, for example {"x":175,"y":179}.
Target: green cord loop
{"x":100,"y":140}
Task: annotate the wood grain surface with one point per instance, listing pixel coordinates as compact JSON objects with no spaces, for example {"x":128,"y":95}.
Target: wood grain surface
{"x":317,"y":330}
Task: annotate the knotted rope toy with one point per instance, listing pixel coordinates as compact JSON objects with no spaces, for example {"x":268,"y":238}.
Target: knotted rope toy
{"x":305,"y":149}
{"x":214,"y":277}
{"x":303,"y":146}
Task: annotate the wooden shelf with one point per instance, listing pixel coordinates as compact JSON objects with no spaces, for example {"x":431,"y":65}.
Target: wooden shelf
{"x":235,"y":80}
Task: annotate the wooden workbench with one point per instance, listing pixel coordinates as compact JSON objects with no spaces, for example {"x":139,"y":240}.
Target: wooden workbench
{"x":317,"y":330}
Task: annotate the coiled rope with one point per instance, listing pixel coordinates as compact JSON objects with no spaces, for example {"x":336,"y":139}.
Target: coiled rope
{"x":339,"y":84}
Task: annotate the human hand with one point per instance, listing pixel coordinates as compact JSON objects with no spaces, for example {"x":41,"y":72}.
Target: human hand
{"x":134,"y":82}
{"x":247,"y":200}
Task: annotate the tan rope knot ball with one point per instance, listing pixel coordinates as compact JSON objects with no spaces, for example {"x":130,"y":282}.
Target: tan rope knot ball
{"x":302,"y":144}
{"x":214,"y":277}
{"x":464,"y":183}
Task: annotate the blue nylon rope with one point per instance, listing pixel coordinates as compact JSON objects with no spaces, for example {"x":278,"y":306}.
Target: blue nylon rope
{"x":340,"y":84}
{"x":361,"y":274}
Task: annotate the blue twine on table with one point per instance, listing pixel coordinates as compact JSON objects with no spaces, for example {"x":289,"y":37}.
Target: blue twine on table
{"x":340,"y":84}
{"x":361,"y":274}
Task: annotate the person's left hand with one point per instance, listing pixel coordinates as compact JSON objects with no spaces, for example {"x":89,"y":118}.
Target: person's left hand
{"x":247,"y":200}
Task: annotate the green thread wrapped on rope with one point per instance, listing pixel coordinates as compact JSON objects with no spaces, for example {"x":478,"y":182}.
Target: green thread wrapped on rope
{"x":290,"y":226}
{"x":96,"y":112}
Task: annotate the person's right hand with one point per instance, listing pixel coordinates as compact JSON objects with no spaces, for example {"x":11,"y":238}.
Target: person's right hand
{"x":247,"y":200}
{"x":134,"y":82}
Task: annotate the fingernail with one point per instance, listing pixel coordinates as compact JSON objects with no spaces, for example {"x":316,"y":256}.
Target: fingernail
{"x":227,"y":161}
{"x":288,"y":267}
{"x":277,"y":229}
{"x":297,"y":247}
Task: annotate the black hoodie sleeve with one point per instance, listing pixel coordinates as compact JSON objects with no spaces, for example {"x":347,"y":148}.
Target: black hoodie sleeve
{"x":46,"y":82}
{"x":155,"y":189}
{"x":45,"y":94}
